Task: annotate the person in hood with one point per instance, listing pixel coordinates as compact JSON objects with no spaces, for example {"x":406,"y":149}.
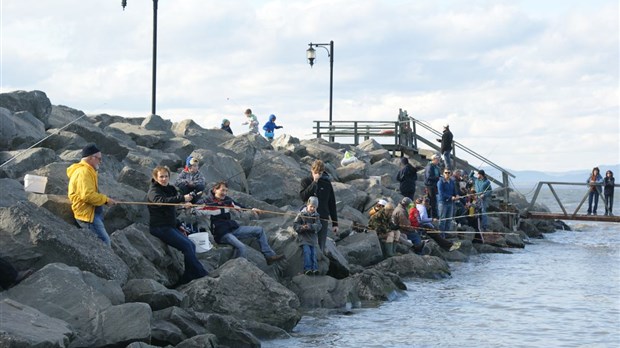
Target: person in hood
{"x":164,"y":225}
{"x":270,"y":127}
{"x":320,"y":186}
{"x":407,"y":177}
{"x":608,"y":186}
{"x":307,"y":224}
{"x":191,"y":179}
{"x":83,"y":191}
{"x":226,"y":230}
{"x":226,"y":126}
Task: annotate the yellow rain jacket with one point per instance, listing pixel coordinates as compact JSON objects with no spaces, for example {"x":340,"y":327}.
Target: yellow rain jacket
{"x":83,"y":191}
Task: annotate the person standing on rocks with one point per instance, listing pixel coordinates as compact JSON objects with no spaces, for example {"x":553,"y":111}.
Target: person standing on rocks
{"x":432,"y":174}
{"x":226,"y":230}
{"x":482,"y":185}
{"x":83,"y":191}
{"x":252,"y":122}
{"x":320,"y":186}
{"x":608,"y":185}
{"x":446,"y":146}
{"x":426,"y":224}
{"x":163,"y":222}
{"x":191,"y":179}
{"x":270,"y":127}
{"x":407,"y":177}
{"x":447,"y":194}
{"x":307,"y":224}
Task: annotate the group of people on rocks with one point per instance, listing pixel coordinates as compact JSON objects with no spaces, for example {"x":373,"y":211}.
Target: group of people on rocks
{"x":311,"y":224}
{"x":252,"y":123}
{"x":595,"y":181}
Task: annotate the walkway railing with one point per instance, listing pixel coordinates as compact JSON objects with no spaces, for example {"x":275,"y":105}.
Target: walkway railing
{"x":574,"y":215}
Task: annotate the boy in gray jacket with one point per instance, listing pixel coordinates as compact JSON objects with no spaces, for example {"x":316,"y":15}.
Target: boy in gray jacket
{"x":307,"y":224}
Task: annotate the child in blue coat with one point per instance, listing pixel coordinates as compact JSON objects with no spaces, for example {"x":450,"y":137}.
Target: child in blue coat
{"x":270,"y":127}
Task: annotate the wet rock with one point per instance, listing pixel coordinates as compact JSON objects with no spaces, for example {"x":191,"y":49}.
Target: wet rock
{"x":361,"y":248}
{"x":413,"y":265}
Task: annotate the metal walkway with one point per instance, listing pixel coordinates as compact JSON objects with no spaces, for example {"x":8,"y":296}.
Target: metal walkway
{"x":565,"y":215}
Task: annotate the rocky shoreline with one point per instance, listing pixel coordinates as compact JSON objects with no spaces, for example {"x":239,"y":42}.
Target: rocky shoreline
{"x":84,"y":294}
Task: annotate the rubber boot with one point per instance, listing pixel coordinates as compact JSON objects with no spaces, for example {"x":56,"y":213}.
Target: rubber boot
{"x":383,"y":249}
{"x":389,"y":250}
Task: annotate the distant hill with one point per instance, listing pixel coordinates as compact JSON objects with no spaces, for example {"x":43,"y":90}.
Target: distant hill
{"x":528,"y":177}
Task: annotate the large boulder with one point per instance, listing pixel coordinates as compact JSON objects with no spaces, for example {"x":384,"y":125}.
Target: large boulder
{"x":172,"y":325}
{"x":361,"y":248}
{"x":19,"y":130}
{"x":347,"y":195}
{"x":319,"y":148}
{"x":240,"y":289}
{"x":322,"y":292}
{"x":25,"y":161}
{"x":24,"y":326}
{"x":60,"y":291}
{"x":142,"y":136}
{"x":412,"y":265}
{"x":36,"y":237}
{"x":218,"y":166}
{"x":356,"y":170}
{"x":275,"y":178}
{"x":153,"y":293}
{"x":35,"y":102}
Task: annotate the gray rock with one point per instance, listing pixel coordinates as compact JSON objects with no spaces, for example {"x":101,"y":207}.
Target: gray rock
{"x":240,"y":289}
{"x":319,"y":148}
{"x":376,"y":285}
{"x":321,"y":292}
{"x":347,"y":195}
{"x":104,"y":120}
{"x":179,"y":146}
{"x":269,"y":168}
{"x":55,"y":204}
{"x":361,"y":248}
{"x":153,"y":293}
{"x":57,"y":179}
{"x":201,"y":341}
{"x":288,"y":143}
{"x":356,"y":170}
{"x":13,"y":192}
{"x":140,"y":135}
{"x":219,"y":166}
{"x":150,"y":158}
{"x":384,"y":167}
{"x":146,"y":256}
{"x":25,"y":161}
{"x":37,"y":237}
{"x":134,"y":178}
{"x":156,"y":123}
{"x":35,"y":102}
{"x":61,"y":115}
{"x":173,"y":325}
{"x":412,"y":265}
{"x":19,"y":130}
{"x":60,"y":141}
{"x":24,"y":326}
{"x":60,"y":291}
{"x":230,"y":332}
{"x":370,"y":145}
{"x":378,"y":155}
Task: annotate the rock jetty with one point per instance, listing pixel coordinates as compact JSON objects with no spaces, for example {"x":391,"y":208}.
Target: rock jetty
{"x":83,"y":294}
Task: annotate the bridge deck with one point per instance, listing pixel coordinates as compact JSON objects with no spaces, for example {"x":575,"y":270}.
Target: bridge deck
{"x":582,"y":217}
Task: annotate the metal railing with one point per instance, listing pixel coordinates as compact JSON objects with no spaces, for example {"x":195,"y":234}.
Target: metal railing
{"x":557,"y":198}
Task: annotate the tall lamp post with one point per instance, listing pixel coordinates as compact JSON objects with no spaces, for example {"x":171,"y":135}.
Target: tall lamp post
{"x":124,"y":4}
{"x":311,"y":55}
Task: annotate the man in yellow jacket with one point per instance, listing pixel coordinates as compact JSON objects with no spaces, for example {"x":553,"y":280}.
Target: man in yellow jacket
{"x":86,"y":201}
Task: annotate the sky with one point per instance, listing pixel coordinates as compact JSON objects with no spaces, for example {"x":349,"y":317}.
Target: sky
{"x":532,"y":85}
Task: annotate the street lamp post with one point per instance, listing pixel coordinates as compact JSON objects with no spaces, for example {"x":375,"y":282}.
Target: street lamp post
{"x":311,"y":55}
{"x":124,"y":4}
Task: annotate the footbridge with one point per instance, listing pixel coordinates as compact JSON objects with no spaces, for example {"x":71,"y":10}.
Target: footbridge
{"x":565,"y":215}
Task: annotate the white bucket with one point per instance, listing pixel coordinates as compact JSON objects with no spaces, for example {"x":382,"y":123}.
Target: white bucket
{"x":35,"y":183}
{"x":201,"y":239}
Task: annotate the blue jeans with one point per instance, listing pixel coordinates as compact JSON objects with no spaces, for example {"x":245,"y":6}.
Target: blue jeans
{"x":97,"y":227}
{"x":414,"y":237}
{"x":484,"y":220}
{"x":445,"y":215}
{"x":244,"y":232}
{"x":447,"y":159}
{"x":593,"y":196}
{"x":176,"y":239}
{"x":310,"y":262}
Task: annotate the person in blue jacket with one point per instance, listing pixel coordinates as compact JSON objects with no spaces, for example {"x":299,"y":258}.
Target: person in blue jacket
{"x":594,"y":182}
{"x":446,"y":196}
{"x":482,"y":185}
{"x":270,"y":127}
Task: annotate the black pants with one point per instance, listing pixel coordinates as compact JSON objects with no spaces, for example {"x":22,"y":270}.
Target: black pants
{"x":432,"y":196}
{"x":8,"y":274}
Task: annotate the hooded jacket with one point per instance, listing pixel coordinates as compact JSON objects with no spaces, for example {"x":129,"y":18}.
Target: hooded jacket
{"x":163,"y":215}
{"x":83,"y":191}
{"x":407,"y":177}
{"x":324,"y":191}
{"x":270,"y":126}
{"x":446,"y":140}
{"x":307,"y":236}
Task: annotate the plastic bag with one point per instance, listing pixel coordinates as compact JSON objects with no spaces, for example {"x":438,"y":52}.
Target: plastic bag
{"x":348,"y":158}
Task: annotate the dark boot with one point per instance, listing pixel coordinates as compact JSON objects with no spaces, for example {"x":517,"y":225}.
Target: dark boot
{"x":389,"y":250}
{"x":274,"y":258}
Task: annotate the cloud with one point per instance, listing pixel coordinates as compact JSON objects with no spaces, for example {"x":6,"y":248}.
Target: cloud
{"x":533,"y":84}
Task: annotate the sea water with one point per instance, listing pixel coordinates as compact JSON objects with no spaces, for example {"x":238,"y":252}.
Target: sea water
{"x":560,"y":291}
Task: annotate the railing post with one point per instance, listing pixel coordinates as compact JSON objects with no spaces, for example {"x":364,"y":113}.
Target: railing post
{"x":415,"y":137}
{"x":318,"y":129}
{"x":356,"y":140}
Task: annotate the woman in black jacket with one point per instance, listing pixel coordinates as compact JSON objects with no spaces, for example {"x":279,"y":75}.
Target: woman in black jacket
{"x":407,"y":177}
{"x":163,"y":222}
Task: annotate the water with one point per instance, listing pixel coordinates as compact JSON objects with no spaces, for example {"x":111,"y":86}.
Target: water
{"x":562,"y":291}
